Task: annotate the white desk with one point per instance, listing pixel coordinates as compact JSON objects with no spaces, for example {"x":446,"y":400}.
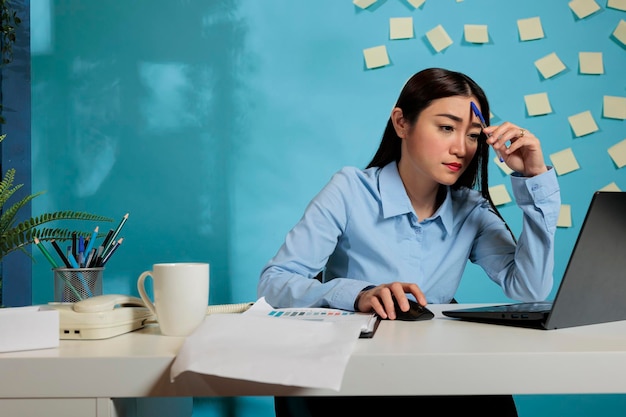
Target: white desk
{"x":454,"y":357}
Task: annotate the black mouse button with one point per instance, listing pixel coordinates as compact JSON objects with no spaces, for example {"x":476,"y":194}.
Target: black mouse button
{"x":415,"y":312}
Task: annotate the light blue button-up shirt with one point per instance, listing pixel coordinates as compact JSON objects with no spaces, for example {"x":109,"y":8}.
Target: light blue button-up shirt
{"x":363,"y":230}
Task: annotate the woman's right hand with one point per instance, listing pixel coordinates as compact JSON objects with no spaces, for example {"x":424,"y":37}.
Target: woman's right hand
{"x":380,"y":299}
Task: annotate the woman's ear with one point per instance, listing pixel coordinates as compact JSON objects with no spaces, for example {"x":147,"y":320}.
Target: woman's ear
{"x":399,"y":123}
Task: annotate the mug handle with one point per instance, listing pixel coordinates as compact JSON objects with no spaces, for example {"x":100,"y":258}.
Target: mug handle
{"x":142,"y":291}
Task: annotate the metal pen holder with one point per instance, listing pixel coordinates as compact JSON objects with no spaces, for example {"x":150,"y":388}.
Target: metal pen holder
{"x":75,"y":284}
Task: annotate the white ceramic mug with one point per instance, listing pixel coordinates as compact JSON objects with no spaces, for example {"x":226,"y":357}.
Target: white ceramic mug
{"x":181,"y":295}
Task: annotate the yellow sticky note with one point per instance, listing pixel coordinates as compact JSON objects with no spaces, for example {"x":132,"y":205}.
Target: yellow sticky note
{"x":583,"y":8}
{"x":618,"y":153}
{"x":590,"y":63}
{"x":537,"y":104}
{"x":476,"y":33}
{"x":499,"y":195}
{"x":620,"y":32}
{"x":617,"y":4}
{"x":549,"y":65}
{"x":565,"y":216}
{"x":400,"y":27}
{"x":438,"y":38}
{"x":376,"y":56}
{"x":614,"y":107}
{"x":582,"y":123}
{"x":610,"y":187}
{"x":363,"y":4}
{"x":564,"y":161}
{"x":530,"y":29}
{"x":416,"y":3}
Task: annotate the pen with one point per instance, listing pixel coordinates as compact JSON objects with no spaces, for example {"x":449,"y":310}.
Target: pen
{"x":57,"y":248}
{"x":46,"y":253}
{"x":81,"y":251}
{"x":483,"y":124}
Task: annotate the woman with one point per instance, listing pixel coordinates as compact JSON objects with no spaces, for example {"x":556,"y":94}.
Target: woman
{"x":409,"y":222}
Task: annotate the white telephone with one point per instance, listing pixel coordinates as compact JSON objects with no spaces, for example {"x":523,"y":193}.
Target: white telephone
{"x":101,"y":317}
{"x":109,"y":315}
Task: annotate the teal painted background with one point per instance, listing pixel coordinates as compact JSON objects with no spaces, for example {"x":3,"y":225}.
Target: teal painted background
{"x":213,"y":123}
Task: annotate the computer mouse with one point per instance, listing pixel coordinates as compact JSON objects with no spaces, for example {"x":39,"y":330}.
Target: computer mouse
{"x":415,"y":312}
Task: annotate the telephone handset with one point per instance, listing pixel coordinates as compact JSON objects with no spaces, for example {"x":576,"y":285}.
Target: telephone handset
{"x":108,"y":302}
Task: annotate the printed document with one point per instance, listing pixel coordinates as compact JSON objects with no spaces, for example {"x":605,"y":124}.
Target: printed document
{"x":263,"y":346}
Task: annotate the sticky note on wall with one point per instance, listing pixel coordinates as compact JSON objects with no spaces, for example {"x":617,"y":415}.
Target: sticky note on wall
{"x":537,"y":104}
{"x":476,"y":33}
{"x":618,"y":153}
{"x":499,"y":195}
{"x":416,"y":3}
{"x":610,"y":187}
{"x":614,"y":107}
{"x":582,"y":123}
{"x":620,"y":32}
{"x":549,"y":65}
{"x":400,"y":28}
{"x":590,"y":63}
{"x":376,"y":57}
{"x":565,"y":216}
{"x":530,"y":29}
{"x":363,"y":4}
{"x":564,"y":161}
{"x":617,"y":4}
{"x":438,"y":38}
{"x":583,"y":8}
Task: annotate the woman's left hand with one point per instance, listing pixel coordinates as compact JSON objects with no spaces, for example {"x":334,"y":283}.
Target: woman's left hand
{"x":524,"y":154}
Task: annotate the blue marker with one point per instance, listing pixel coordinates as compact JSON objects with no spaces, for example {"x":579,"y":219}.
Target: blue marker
{"x":483,"y":124}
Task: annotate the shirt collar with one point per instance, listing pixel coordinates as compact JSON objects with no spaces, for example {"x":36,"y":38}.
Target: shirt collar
{"x":395,"y":201}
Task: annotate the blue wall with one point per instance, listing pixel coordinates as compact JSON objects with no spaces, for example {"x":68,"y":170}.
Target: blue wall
{"x":213,"y":123}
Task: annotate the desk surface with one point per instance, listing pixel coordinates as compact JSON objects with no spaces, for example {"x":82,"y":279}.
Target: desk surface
{"x":444,"y":355}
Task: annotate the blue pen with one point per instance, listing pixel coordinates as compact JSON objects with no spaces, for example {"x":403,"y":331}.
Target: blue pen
{"x":483,"y":124}
{"x":81,"y":251}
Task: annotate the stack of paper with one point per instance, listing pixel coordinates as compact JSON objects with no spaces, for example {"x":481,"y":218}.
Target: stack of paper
{"x":27,"y":328}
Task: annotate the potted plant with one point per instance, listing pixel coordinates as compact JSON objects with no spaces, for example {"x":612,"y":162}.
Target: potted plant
{"x":15,"y":237}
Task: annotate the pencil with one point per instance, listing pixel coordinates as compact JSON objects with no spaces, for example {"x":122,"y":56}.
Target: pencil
{"x":113,"y":249}
{"x":117,"y":232}
{"x":91,"y":242}
{"x":74,"y":245}
{"x":107,"y":239}
{"x":46,"y":253}
{"x":57,"y":248}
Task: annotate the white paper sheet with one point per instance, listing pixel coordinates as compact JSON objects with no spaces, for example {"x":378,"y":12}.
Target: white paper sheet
{"x":252,"y":346}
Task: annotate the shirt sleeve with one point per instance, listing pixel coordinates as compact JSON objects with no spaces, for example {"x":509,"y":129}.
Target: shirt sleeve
{"x":287,"y":280}
{"x":524,"y":269}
